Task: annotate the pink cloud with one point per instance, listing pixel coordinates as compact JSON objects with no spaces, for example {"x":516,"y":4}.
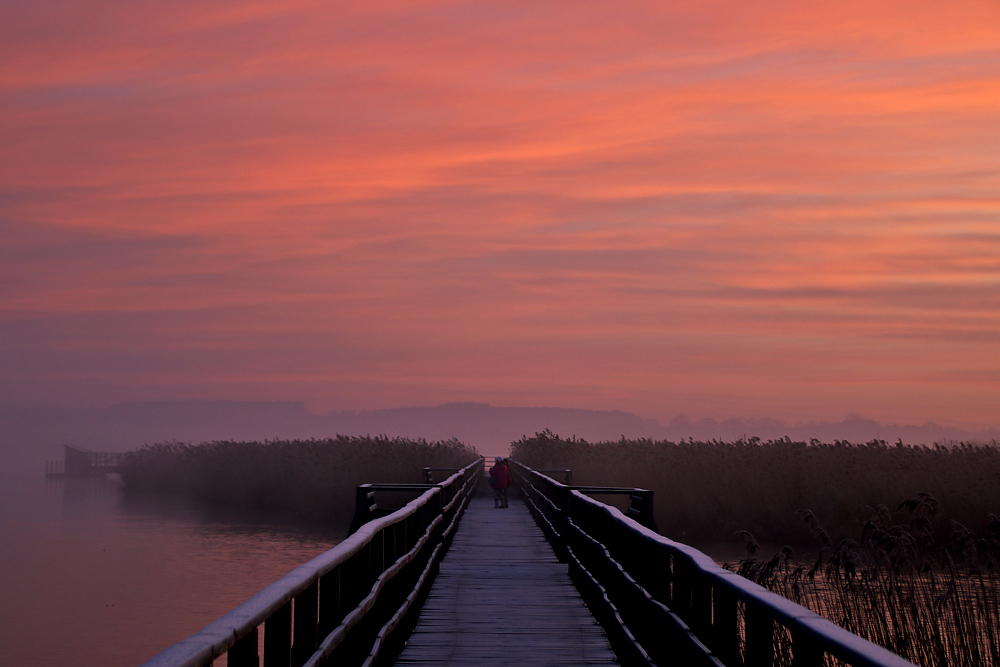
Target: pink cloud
{"x":768,"y":209}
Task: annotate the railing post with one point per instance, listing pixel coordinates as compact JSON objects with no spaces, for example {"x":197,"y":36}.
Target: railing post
{"x":681,"y":597}
{"x":278,"y":638}
{"x":701,"y":606}
{"x":244,"y":652}
{"x":364,"y":506}
{"x":759,"y":630}
{"x":805,"y":651}
{"x":641,"y":508}
{"x":306,"y":616}
{"x":434,"y":507}
{"x":330,"y":602}
{"x":654,"y":565}
{"x":564,"y":503}
{"x":725,"y":636}
{"x":390,"y":547}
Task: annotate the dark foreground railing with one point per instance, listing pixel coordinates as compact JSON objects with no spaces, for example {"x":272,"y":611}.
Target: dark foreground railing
{"x":662,"y":602}
{"x":353,"y":605}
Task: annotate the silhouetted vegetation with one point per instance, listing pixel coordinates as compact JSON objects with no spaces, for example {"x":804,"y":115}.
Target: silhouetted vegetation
{"x":916,"y":582}
{"x":316,"y":479}
{"x":710,"y":490}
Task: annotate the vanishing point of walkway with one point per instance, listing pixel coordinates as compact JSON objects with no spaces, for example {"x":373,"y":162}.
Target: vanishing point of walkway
{"x":502,"y":598}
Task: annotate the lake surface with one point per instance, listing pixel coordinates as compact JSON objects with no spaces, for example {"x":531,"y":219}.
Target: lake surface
{"x":91,"y":576}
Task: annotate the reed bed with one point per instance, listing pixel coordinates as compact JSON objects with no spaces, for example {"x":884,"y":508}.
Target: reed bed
{"x":707,"y":491}
{"x":916,"y":582}
{"x":914,"y":579}
{"x":314,"y":479}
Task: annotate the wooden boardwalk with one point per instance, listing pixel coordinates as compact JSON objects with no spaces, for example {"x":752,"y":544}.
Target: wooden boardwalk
{"x":502,"y":598}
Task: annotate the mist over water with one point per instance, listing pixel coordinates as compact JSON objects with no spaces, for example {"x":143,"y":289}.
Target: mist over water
{"x":90,"y":576}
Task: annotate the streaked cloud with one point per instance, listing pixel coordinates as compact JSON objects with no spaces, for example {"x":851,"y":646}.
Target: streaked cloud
{"x":769,"y":209}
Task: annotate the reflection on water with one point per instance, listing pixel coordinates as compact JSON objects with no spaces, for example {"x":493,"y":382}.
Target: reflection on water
{"x":93,"y":577}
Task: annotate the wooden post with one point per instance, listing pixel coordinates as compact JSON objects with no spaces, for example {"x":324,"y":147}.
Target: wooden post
{"x":364,"y":507}
{"x":759,"y":630}
{"x":701,"y":607}
{"x":682,"y":590}
{"x":641,"y":508}
{"x":244,"y":652}
{"x":330,"y":606}
{"x":278,"y":638}
{"x":725,"y":635}
{"x":805,"y":651}
{"x":389,"y":541}
{"x":306,"y":617}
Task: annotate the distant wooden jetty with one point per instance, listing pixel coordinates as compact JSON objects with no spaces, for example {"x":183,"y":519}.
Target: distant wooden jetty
{"x":82,"y":463}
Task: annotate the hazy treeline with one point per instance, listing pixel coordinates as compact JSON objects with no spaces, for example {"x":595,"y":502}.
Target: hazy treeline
{"x":314,"y":478}
{"x":711,"y":490}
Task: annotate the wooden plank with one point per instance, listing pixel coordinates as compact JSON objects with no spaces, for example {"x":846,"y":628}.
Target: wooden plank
{"x":502,"y":598}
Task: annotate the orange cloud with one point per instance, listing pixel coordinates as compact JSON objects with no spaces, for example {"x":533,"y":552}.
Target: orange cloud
{"x":770,"y":209}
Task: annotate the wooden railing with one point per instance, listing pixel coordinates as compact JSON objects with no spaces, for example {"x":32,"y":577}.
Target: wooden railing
{"x":366,"y":505}
{"x":353,"y":605}
{"x":662,"y":602}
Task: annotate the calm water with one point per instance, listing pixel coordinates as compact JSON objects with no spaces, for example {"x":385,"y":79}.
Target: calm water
{"x":89,"y":576}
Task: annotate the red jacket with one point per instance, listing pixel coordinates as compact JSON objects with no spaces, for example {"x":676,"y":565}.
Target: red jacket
{"x":502,"y":474}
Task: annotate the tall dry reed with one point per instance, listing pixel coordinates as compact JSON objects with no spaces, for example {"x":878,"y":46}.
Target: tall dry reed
{"x":913,"y":580}
{"x":711,"y":490}
{"x":916,"y":582}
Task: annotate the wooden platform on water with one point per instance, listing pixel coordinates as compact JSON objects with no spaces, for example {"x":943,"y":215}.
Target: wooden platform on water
{"x":502,"y":598}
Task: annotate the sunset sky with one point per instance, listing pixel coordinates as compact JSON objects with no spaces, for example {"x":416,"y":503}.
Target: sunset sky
{"x":766,"y":209}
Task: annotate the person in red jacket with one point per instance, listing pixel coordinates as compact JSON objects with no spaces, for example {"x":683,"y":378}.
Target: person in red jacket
{"x":499,"y":480}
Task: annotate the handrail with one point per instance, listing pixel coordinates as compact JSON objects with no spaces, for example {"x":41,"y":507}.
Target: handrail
{"x":428,"y":473}
{"x":365,"y":507}
{"x":343,"y":600}
{"x":565,"y":472}
{"x":662,"y":601}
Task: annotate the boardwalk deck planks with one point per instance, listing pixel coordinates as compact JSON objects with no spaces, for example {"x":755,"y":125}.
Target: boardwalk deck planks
{"x":502,"y":598}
